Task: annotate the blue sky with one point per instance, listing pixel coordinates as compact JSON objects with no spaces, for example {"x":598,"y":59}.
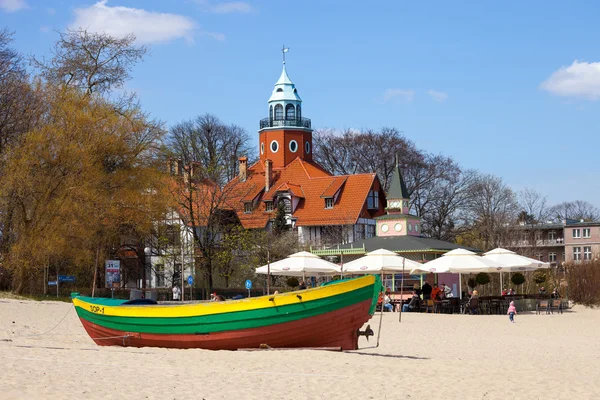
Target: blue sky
{"x":510,"y":88}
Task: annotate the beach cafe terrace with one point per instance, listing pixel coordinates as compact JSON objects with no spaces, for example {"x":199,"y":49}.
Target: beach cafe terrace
{"x":454,"y":262}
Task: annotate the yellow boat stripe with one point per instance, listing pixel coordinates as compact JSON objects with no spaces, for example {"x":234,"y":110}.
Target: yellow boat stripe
{"x":210,"y":308}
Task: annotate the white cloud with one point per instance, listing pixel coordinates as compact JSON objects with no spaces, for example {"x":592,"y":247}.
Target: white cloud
{"x":438,"y":96}
{"x":13,"y":5}
{"x":580,"y":80}
{"x":405,"y":95}
{"x":147,"y":26}
{"x":226,"y":8}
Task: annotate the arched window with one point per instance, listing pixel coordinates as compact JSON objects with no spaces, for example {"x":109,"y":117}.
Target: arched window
{"x":290,"y":112}
{"x":279,"y":90}
{"x":278,"y":112}
{"x":298,"y":112}
{"x":271,"y":112}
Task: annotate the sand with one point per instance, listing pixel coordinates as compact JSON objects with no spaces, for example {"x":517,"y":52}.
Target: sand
{"x":424,"y":356}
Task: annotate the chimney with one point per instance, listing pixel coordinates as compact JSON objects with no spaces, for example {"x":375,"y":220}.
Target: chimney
{"x":243,"y":168}
{"x":195,"y":169}
{"x":186,"y":174}
{"x":268,"y":174}
{"x":174,"y":166}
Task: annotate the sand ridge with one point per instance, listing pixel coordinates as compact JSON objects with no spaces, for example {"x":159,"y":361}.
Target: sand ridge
{"x":424,"y":356}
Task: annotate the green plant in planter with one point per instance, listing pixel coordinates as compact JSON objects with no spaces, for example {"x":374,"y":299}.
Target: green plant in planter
{"x":517,"y":278}
{"x":539,"y":277}
{"x":292,"y":282}
{"x":482,"y":278}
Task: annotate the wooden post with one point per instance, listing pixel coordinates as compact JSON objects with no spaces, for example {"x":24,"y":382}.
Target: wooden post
{"x":401,"y":290}
{"x":95,"y":270}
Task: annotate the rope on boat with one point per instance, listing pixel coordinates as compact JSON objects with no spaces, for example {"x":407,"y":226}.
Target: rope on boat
{"x":48,"y":331}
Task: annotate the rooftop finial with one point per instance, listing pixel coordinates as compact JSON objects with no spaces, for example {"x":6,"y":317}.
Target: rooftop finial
{"x":283,"y":51}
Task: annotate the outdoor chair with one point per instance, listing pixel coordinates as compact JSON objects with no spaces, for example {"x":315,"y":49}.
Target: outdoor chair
{"x":556,"y":304}
{"x":454,"y":305}
{"x":542,"y":305}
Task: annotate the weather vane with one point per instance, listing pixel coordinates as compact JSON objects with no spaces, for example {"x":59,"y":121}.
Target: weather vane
{"x":283,"y":51}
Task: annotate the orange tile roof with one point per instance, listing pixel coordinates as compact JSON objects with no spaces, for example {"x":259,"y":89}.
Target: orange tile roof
{"x":336,"y":184}
{"x":309,"y":182}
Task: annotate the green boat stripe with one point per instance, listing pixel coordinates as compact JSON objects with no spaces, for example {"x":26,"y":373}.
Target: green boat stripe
{"x":233,"y":320}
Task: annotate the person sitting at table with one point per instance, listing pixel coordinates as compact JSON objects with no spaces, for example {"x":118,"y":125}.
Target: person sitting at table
{"x":436,"y":292}
{"x":413,"y":304}
{"x":511,"y":292}
{"x":447,"y":291}
{"x":555,"y":294}
{"x":504,"y":292}
{"x":387,"y":302}
{"x":542,"y":290}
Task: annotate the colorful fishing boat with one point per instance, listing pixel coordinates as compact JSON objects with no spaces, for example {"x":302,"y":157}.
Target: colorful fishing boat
{"x":325,"y":316}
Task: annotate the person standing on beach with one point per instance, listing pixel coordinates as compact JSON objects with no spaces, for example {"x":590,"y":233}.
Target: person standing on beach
{"x":426,"y":289}
{"x":512,"y":311}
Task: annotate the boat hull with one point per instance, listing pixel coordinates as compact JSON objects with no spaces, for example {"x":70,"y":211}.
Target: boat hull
{"x":333,"y":329}
{"x":327,"y":316}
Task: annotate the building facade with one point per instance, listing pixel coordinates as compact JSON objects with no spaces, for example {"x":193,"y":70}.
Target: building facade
{"x":320,"y":207}
{"x":557,"y":243}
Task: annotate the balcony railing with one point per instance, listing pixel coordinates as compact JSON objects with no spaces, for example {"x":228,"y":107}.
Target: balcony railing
{"x":540,"y":242}
{"x":274,"y":123}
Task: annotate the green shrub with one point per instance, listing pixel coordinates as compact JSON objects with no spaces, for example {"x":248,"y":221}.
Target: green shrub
{"x":482,"y":278}
{"x":517,"y":278}
{"x":539,"y":277}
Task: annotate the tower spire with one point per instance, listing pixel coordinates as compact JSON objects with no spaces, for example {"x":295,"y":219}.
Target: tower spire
{"x":283,"y":51}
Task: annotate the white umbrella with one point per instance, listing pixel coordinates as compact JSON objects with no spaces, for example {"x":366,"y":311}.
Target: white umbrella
{"x":460,"y":261}
{"x":379,"y":261}
{"x":300,"y":264}
{"x":509,"y":261}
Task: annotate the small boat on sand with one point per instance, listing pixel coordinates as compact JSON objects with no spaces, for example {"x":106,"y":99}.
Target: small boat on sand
{"x":326,"y":316}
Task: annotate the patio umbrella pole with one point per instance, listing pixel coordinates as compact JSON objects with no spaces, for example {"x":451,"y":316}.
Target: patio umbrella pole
{"x":381,"y":313}
{"x":501,"y":284}
{"x":401,"y":291}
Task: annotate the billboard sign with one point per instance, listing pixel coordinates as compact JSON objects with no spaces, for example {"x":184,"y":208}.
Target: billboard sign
{"x":113,"y":273}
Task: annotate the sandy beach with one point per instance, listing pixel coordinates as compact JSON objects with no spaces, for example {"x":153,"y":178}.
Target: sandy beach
{"x":424,"y":356}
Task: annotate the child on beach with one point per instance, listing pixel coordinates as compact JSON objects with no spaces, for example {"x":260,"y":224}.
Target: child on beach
{"x":512,"y":310}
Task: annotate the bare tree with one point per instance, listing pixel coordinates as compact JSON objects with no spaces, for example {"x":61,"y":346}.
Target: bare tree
{"x":493,"y":208}
{"x":20,"y":106}
{"x":444,"y":212}
{"x":577,"y":210}
{"x":215,"y":146}
{"x":533,"y":206}
{"x":91,"y":62}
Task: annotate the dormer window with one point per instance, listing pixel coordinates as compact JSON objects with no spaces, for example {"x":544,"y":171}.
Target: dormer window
{"x":268,"y":206}
{"x":248,"y":207}
{"x":287,"y":205}
{"x":329,"y":203}
{"x":279,"y":90}
{"x":373,"y":200}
